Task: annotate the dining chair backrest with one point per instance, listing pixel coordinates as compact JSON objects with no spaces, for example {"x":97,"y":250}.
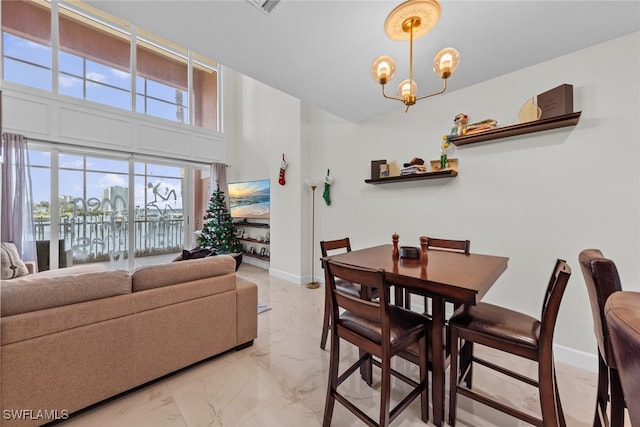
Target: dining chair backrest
{"x":334,"y":245}
{"x":551,"y":303}
{"x":454,"y":245}
{"x":375,"y":279}
{"x":602,"y":279}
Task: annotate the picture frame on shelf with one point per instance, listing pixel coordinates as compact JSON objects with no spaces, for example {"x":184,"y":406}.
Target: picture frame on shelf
{"x":239,"y":233}
{"x":252,"y":250}
{"x":263,"y":252}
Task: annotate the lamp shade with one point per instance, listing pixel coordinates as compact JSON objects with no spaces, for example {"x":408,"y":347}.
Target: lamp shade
{"x":383,"y":69}
{"x":407,"y":89}
{"x":446,"y":62}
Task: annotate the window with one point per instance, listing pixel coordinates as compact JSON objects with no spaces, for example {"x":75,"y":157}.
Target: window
{"x":94,"y":62}
{"x":90,"y":213}
{"x":26,"y":39}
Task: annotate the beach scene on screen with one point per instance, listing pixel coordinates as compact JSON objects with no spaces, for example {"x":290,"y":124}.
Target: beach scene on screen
{"x":250,"y":199}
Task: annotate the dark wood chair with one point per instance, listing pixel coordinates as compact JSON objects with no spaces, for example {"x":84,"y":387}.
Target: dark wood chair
{"x":622,"y":313}
{"x":377,"y":329}
{"x":329,"y":247}
{"x":602,"y":279}
{"x":463,"y":246}
{"x":514,"y":333}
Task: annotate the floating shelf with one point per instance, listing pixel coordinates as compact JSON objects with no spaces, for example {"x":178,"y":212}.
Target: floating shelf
{"x":447,"y":173}
{"x":251,"y":224}
{"x":249,"y":239}
{"x":257,"y":256}
{"x":519,"y":129}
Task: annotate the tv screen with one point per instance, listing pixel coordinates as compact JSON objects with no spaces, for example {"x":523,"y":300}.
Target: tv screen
{"x":250,"y":199}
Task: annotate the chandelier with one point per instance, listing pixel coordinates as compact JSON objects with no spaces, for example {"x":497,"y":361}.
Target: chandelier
{"x":409,"y":21}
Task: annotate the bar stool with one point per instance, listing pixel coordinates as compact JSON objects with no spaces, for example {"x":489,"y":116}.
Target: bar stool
{"x":622,"y":311}
{"x":514,"y":333}
{"x":377,"y":329}
{"x":602,"y":279}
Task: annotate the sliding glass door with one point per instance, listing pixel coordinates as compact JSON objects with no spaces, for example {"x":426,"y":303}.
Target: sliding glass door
{"x":121,"y":211}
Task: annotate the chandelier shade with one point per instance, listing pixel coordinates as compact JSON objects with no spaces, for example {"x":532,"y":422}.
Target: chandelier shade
{"x":409,"y":21}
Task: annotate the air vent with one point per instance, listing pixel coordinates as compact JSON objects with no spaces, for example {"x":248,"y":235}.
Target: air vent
{"x":266,"y":6}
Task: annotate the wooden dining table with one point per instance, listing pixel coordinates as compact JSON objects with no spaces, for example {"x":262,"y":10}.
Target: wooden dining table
{"x":445,"y":276}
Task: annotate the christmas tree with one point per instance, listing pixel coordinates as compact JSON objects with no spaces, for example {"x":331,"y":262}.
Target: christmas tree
{"x":218,"y":233}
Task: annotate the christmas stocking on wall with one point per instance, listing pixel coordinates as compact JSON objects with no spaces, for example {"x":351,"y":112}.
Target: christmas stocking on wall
{"x":283,"y":168}
{"x":326,"y":195}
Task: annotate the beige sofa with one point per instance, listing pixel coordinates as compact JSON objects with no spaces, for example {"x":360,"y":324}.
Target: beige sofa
{"x":73,"y":338}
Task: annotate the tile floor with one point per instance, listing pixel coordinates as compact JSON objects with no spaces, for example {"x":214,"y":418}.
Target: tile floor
{"x":281,"y":380}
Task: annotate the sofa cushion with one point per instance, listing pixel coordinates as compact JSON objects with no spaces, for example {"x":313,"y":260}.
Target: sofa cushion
{"x":36,"y":292}
{"x":12,"y":265}
{"x":156,"y":276}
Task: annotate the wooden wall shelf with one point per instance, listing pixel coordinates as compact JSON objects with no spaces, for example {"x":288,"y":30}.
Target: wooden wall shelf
{"x":447,"y":173}
{"x":519,"y":129}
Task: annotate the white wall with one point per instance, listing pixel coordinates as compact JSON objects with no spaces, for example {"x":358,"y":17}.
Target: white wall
{"x":261,"y":124}
{"x":533,"y":198}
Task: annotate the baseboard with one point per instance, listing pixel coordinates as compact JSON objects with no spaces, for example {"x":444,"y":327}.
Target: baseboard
{"x":576,"y":358}
{"x":285,"y":276}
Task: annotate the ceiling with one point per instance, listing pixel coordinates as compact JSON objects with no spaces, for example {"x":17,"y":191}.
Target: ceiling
{"x":321,"y":51}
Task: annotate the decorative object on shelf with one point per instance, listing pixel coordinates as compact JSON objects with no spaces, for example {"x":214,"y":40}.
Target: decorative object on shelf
{"x":529,"y":112}
{"x":239,"y":233}
{"x":557,"y":101}
{"x":313,"y":184}
{"x":376,"y":168}
{"x":481,"y":126}
{"x":326,"y":195}
{"x":283,"y":168}
{"x":460,"y":121}
{"x":436,"y":165}
{"x":252,"y":250}
{"x":416,"y":165}
{"x":267,"y":237}
{"x":410,"y":252}
{"x":218,"y":233}
{"x":263,"y":251}
{"x":443,"y":152}
{"x":408,"y":21}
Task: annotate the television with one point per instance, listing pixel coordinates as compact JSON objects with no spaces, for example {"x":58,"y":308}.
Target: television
{"x":250,"y":199}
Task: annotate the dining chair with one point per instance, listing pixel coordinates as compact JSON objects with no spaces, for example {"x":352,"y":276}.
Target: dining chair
{"x":514,"y":333}
{"x":622,"y":312}
{"x":377,"y":329}
{"x":330,"y":247}
{"x":602,"y":279}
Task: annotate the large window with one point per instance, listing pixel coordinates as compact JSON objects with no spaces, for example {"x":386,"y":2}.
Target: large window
{"x":84,"y":202}
{"x":93,"y":55}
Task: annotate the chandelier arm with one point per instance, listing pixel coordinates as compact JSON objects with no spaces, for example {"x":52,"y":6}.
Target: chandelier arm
{"x":444,"y":88}
{"x":390,"y":97}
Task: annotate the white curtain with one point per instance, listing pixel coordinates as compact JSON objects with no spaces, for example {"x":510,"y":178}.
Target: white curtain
{"x":17,"y":198}
{"x":219,"y":179}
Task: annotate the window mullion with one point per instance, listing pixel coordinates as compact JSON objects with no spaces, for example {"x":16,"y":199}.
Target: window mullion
{"x":55,"y":45}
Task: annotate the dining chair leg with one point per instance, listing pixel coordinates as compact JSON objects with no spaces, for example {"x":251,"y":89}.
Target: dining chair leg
{"x":327,"y":318}
{"x":385,"y":391}
{"x":466,"y":365}
{"x":602,"y":395}
{"x":549,"y":403}
{"x":559,"y":410}
{"x":453,"y":377}
{"x":334,"y":360}
{"x":617,"y":399}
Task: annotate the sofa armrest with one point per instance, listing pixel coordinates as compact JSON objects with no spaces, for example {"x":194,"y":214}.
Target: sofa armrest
{"x":247,"y":310}
{"x":31,"y":266}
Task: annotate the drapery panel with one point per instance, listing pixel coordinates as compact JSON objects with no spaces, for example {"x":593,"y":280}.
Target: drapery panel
{"x":219,"y":179}
{"x":17,"y":197}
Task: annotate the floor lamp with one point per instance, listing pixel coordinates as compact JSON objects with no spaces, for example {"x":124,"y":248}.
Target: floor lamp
{"x":313,"y":184}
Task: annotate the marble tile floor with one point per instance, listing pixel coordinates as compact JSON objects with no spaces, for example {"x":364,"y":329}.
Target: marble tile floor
{"x":281,"y":380}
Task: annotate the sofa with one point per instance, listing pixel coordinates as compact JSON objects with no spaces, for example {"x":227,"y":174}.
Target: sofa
{"x":74,"y":337}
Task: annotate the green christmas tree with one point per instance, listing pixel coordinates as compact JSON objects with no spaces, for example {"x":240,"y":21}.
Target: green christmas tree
{"x":218,"y":232}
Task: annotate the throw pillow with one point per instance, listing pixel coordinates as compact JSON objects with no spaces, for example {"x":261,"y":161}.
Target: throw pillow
{"x":12,"y":265}
{"x":196,"y":253}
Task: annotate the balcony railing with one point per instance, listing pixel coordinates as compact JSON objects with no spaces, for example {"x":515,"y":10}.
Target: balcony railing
{"x":98,"y":238}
